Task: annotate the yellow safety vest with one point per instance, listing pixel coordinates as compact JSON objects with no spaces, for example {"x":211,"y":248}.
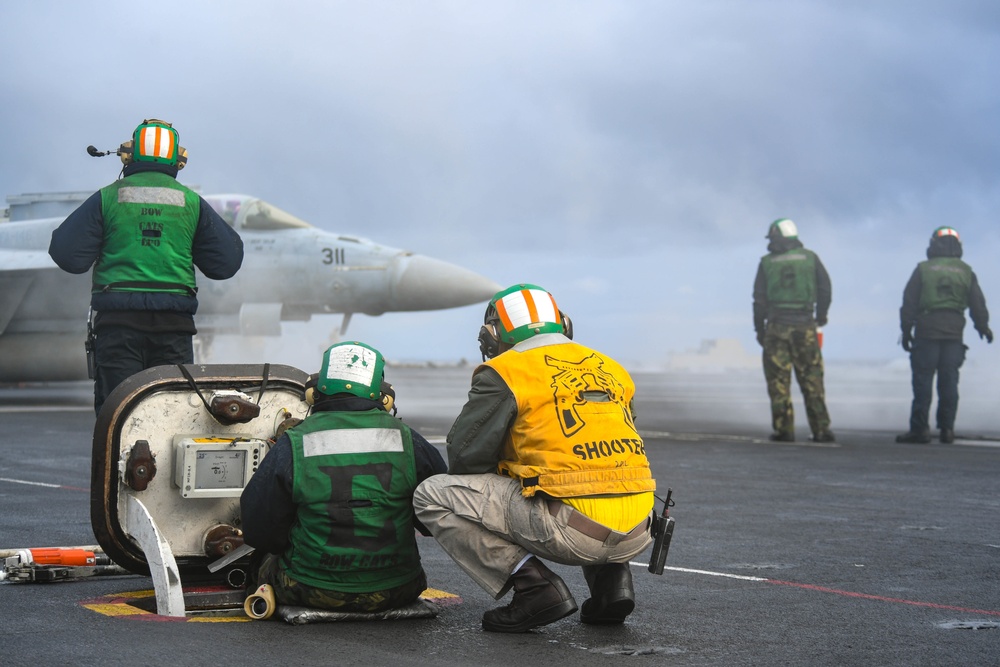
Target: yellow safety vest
{"x":564,"y":442}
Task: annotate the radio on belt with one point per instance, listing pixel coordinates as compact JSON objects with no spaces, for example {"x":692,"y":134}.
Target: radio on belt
{"x":214,"y":467}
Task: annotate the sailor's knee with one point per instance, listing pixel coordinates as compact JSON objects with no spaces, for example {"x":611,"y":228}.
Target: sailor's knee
{"x":427,"y":493}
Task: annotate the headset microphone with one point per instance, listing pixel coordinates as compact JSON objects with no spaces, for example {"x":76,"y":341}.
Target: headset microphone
{"x":93,"y":152}
{"x":173,"y":154}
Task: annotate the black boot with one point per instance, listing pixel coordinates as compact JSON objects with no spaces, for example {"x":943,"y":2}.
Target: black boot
{"x":540,"y":598}
{"x":612,"y":597}
{"x":914,"y":437}
{"x":947,"y":436}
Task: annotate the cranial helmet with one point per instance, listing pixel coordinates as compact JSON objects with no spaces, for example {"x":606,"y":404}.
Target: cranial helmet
{"x":518,"y":313}
{"x":351,"y":368}
{"x":154,"y":141}
{"x":784,"y":228}
{"x":944,"y":232}
{"x":944,"y":243}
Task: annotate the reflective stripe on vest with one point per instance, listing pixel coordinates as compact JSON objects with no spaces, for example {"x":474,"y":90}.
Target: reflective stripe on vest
{"x":149,"y":225}
{"x":353,"y":480}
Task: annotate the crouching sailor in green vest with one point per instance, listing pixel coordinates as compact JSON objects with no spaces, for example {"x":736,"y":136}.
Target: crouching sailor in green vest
{"x":330,"y":511}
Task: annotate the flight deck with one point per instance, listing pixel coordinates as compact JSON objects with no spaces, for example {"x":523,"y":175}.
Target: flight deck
{"x":862,"y":551}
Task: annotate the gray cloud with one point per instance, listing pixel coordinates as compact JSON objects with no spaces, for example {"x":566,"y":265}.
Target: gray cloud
{"x":628,"y":156}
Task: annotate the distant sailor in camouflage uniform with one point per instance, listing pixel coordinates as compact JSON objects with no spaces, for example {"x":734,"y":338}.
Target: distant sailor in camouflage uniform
{"x":932,"y":318}
{"x":791,"y":286}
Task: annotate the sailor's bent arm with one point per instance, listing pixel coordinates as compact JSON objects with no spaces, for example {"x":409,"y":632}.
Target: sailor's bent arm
{"x":76,"y":243}
{"x":475,"y":443}
{"x":218,"y":248}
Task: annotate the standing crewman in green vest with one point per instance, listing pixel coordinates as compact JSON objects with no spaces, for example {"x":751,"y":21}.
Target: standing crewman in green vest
{"x":932,"y":318}
{"x":144,"y":235}
{"x":330,"y":511}
{"x":791,"y":298}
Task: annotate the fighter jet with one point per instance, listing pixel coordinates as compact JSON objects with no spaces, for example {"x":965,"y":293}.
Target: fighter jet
{"x":291,"y":271}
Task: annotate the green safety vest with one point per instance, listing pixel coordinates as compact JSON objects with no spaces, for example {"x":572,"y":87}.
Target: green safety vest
{"x":353,"y":484}
{"x":791,"y":279}
{"x":149,"y":225}
{"x":944,"y":284}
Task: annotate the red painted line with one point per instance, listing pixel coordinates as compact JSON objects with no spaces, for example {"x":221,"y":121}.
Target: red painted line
{"x":835,"y":591}
{"x":882,"y":598}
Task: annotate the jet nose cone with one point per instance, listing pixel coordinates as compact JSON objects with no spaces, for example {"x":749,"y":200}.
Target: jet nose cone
{"x":428,"y":284}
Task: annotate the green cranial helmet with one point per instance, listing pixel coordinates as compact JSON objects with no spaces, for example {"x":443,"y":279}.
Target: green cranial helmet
{"x":521,"y":311}
{"x":944,"y":232}
{"x":351,"y":368}
{"x":156,"y":140}
{"x":784,"y":228}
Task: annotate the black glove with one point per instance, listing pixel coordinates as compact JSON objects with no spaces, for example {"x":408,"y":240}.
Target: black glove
{"x":907,"y":340}
{"x":986,"y":333}
{"x":760,"y":337}
{"x":821,"y":321}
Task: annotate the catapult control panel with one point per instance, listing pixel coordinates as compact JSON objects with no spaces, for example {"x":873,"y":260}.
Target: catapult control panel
{"x":214,"y":467}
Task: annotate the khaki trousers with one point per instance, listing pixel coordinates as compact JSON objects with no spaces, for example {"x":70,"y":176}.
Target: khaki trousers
{"x":486,"y":526}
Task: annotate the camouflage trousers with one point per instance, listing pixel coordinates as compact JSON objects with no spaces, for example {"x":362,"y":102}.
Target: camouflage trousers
{"x":288,"y":591}
{"x":788,"y":346}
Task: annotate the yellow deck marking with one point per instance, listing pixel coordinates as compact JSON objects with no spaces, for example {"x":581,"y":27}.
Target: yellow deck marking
{"x":119,"y":605}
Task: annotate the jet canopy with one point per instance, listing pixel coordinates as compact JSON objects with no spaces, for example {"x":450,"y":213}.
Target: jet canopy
{"x":243,"y":212}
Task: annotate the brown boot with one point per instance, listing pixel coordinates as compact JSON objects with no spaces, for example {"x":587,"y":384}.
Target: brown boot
{"x":612,"y":596}
{"x":540,"y":598}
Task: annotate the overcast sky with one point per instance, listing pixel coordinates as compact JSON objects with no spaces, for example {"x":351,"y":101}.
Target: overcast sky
{"x":627,"y":156}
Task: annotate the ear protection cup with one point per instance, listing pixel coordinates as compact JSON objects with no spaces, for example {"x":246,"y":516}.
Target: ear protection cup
{"x":310,"y":390}
{"x":567,"y":325}
{"x":489,"y":341}
{"x":388,"y":396}
{"x":125,"y":152}
{"x":489,"y":336}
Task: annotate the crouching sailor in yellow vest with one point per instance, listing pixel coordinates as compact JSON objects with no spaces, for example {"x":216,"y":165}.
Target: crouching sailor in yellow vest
{"x":544,"y":462}
{"x":330,"y":511}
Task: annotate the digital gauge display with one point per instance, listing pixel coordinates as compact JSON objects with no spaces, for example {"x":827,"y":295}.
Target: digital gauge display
{"x":220,"y":469}
{"x":215,"y":467}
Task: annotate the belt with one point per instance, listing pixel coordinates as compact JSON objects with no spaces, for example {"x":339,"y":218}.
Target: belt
{"x":584,"y":524}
